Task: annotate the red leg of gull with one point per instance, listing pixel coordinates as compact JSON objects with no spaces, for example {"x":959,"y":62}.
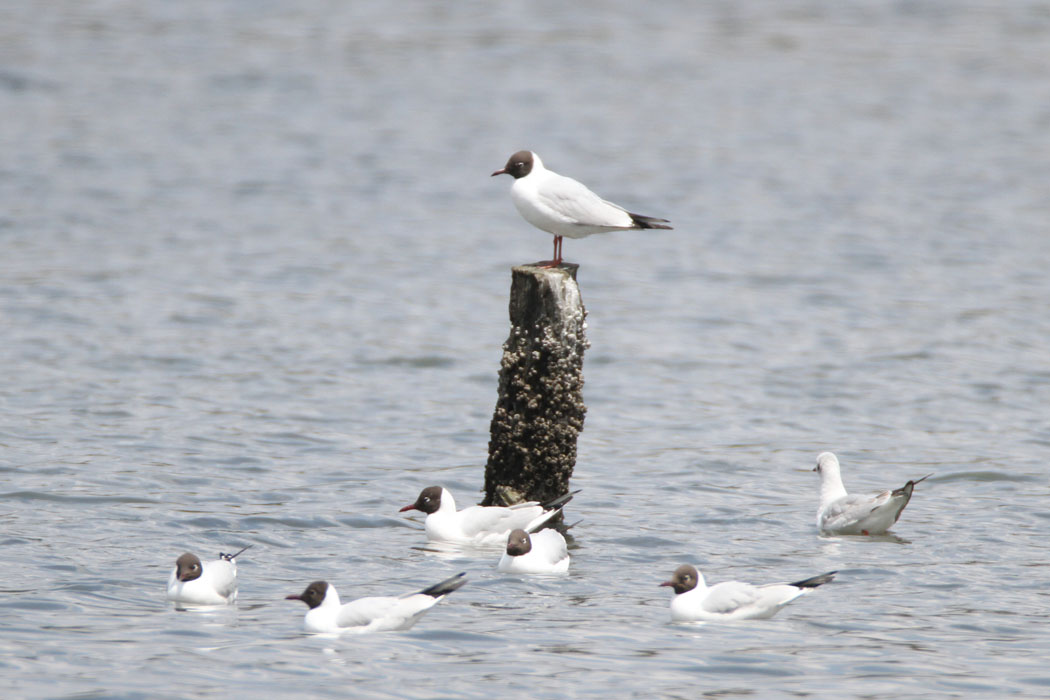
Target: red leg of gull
{"x":557,"y":254}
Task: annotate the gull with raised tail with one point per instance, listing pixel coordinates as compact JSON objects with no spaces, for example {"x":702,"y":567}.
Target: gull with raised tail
{"x":480,"y":525}
{"x":543,"y":552}
{"x":841,"y":513}
{"x":564,"y":207}
{"x":194,"y":582}
{"x":376,"y":614}
{"x":695,"y":601}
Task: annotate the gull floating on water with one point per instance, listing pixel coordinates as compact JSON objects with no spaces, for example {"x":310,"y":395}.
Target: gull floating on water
{"x":204,"y":583}
{"x":694,"y":601}
{"x":853,"y":514}
{"x":543,"y":552}
{"x":480,"y":525}
{"x":564,"y":207}
{"x":375,"y":614}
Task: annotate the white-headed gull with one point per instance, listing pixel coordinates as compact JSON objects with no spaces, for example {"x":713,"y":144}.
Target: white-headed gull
{"x":376,"y":614}
{"x":845,"y":514}
{"x":564,"y":207}
{"x":543,"y":552}
{"x":479,"y":525}
{"x":204,"y":583}
{"x":694,"y":601}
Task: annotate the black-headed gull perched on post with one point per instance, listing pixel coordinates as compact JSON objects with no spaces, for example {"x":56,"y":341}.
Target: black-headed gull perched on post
{"x":564,"y":207}
{"x":694,"y":601}
{"x":543,"y":552}
{"x":204,"y":583}
{"x":479,"y":525}
{"x":376,"y":614}
{"x":845,"y":514}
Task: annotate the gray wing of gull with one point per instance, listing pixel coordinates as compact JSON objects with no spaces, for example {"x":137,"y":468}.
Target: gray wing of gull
{"x":576,"y":204}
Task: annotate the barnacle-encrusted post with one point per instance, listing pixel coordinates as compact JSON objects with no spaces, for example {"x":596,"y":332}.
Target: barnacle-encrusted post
{"x":540,"y":409}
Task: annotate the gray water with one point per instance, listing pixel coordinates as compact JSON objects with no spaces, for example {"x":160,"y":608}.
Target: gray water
{"x":253,"y":289}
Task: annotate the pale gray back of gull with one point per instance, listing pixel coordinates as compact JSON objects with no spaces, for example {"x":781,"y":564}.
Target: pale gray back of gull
{"x":564,"y":207}
{"x":327,"y":614}
{"x":479,"y":525}
{"x":197,"y":582}
{"x":842,"y":513}
{"x":542,"y":552}
{"x":695,"y":601}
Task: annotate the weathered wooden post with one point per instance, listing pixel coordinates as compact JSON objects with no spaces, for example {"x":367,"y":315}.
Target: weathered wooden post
{"x":540,"y":410}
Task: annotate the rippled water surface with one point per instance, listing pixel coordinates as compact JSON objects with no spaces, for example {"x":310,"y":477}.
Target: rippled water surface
{"x":254,"y":285}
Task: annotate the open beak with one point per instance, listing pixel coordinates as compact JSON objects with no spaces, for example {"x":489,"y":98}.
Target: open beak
{"x":500,"y":172}
{"x":410,"y":506}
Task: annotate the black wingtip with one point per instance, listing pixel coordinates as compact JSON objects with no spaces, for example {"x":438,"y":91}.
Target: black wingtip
{"x":231,"y":557}
{"x":815,"y":581}
{"x":447,"y":586}
{"x":909,"y":487}
{"x":560,"y":500}
{"x":648,"y":221}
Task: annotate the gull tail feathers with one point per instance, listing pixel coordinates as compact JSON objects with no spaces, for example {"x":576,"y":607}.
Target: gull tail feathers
{"x":560,"y":500}
{"x":546,"y":525}
{"x":231,"y":557}
{"x":815,"y":581}
{"x":908,"y":487}
{"x":641,"y":221}
{"x":445,"y":587}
